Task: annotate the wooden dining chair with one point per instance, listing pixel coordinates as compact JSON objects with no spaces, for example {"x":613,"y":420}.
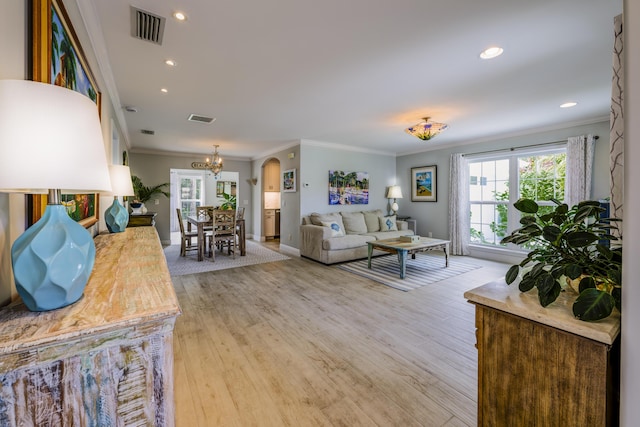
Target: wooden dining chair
{"x":223,"y":233}
{"x":206,"y":210}
{"x":186,"y":237}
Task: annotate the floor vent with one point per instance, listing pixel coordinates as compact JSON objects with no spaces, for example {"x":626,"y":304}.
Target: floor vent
{"x":147,"y":26}
{"x":148,"y":132}
{"x":200,"y":119}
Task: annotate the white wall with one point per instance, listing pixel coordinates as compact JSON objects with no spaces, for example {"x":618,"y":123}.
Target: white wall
{"x":630,"y":377}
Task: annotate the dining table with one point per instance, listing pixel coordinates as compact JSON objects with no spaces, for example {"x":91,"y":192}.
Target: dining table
{"x":200,"y":222}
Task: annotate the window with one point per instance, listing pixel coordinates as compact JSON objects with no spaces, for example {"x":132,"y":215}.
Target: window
{"x":191,"y":194}
{"x":497,"y":182}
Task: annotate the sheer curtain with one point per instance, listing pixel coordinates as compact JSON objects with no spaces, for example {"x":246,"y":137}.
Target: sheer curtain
{"x":579,"y":169}
{"x":459,"y":220}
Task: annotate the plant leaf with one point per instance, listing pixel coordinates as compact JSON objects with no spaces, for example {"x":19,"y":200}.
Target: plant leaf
{"x":579,"y":239}
{"x":593,"y":304}
{"x":573,"y":271}
{"x":586,"y":283}
{"x":583,"y":213}
{"x":526,"y":285}
{"x":549,"y":297}
{"x":512,"y":274}
{"x":551,"y":233}
{"x":526,"y":206}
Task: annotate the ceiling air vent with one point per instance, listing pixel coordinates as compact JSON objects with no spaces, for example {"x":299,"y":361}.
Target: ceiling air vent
{"x":200,"y":119}
{"x":147,"y":26}
{"x":148,"y":132}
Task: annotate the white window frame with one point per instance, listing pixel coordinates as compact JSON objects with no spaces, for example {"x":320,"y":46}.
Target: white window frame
{"x":510,"y":253}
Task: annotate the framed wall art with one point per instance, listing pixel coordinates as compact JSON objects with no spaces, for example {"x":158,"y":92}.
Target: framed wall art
{"x":289,"y":181}
{"x":58,"y":59}
{"x":348,"y":188}
{"x":424,"y":184}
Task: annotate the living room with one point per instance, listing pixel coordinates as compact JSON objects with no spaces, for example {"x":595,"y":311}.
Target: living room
{"x":313,"y":159}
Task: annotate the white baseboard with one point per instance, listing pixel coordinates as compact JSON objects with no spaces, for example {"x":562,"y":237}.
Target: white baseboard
{"x":289,"y":250}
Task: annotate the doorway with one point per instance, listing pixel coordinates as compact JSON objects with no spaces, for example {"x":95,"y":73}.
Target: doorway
{"x":271,"y":200}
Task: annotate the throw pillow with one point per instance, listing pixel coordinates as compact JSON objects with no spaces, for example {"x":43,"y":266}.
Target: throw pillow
{"x":388,"y":223}
{"x":317,"y":218}
{"x":372,"y":221}
{"x":336,"y":229}
{"x":354,"y":222}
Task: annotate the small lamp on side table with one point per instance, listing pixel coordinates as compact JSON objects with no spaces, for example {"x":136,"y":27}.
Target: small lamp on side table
{"x":50,"y":140}
{"x":116,"y":216}
{"x":394,"y":192}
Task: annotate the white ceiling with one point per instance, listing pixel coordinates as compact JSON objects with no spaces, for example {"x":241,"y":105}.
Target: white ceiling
{"x":353,"y":72}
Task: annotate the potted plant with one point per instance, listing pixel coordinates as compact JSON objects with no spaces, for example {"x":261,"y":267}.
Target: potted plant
{"x":144,"y":194}
{"x":229,"y":201}
{"x":569,"y":247}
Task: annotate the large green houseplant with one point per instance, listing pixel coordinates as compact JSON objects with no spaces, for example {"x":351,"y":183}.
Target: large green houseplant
{"x":143,"y":193}
{"x":569,"y":246}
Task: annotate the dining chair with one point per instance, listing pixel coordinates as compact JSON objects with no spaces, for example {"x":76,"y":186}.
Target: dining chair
{"x":240,"y":213}
{"x":186,"y":237}
{"x":223,"y":233}
{"x":205,"y":210}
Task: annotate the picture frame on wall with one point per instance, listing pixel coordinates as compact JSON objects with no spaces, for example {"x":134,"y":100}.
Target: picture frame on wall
{"x":289,"y":181}
{"x":58,"y":58}
{"x":424,"y":184}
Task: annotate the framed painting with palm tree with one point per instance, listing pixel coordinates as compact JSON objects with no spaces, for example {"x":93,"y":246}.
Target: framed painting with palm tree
{"x":58,"y":59}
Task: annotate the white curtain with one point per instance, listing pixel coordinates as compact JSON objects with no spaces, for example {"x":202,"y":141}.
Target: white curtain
{"x":579,"y":169}
{"x":459,"y":218}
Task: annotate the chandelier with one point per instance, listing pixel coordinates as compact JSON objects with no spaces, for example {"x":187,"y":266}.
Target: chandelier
{"x":215,"y":163}
{"x":426,"y":130}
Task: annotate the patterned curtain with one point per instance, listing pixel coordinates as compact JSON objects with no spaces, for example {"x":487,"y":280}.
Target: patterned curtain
{"x":616,"y":123}
{"x":579,"y":169}
{"x":459,"y":219}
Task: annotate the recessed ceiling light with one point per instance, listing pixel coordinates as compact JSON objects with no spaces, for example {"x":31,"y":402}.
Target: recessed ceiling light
{"x":568,"y":104}
{"x":170,"y":62}
{"x":164,"y":90}
{"x":180,"y":16}
{"x":491,"y":52}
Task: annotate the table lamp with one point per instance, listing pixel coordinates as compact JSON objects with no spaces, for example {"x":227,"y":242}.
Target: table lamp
{"x":51,"y":141}
{"x":116,"y":216}
{"x":394,"y":192}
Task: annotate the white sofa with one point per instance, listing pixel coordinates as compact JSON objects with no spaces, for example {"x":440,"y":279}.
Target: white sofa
{"x":343,"y":236}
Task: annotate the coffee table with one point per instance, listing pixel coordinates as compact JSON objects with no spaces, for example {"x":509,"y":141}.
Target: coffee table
{"x":405,"y":248}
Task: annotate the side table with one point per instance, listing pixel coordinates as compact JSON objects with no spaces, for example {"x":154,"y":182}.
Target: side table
{"x":411,"y":222}
{"x":141,"y":220}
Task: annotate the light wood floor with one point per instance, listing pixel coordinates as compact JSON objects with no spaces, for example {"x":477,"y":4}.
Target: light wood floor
{"x":296,"y":343}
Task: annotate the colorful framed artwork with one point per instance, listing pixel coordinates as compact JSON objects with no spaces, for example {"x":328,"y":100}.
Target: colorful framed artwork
{"x":289,"y":181}
{"x":348,"y":188}
{"x":424,"y":184}
{"x":58,"y":59}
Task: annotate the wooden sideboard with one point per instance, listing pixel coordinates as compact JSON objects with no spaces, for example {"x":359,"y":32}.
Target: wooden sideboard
{"x":540,"y":366}
{"x":105,"y":360}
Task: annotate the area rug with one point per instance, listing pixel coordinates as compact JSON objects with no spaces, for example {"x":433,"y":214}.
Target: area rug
{"x":423,"y":270}
{"x":256,"y":254}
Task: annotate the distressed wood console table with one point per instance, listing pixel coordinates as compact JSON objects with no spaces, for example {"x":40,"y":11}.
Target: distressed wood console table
{"x":105,"y":360}
{"x":541,"y":366}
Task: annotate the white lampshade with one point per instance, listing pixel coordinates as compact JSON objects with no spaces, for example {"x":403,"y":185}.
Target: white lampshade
{"x":50,"y":138}
{"x":121,"y":184}
{"x":394,"y":192}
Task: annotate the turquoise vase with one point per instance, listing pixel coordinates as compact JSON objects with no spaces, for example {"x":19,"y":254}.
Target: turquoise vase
{"x":52,"y":261}
{"x":116,"y":217}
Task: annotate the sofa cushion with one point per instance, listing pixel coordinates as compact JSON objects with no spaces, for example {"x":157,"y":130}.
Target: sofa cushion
{"x":388,"y":223}
{"x":316,"y":218}
{"x":336,"y":228}
{"x":354,"y":222}
{"x":346,"y":242}
{"x":372,"y":221}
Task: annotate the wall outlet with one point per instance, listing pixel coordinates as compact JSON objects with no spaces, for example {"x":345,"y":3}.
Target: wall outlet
{"x":430,"y":234}
{"x":245,"y":202}
{"x":156,"y":201}
{"x":289,"y":237}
